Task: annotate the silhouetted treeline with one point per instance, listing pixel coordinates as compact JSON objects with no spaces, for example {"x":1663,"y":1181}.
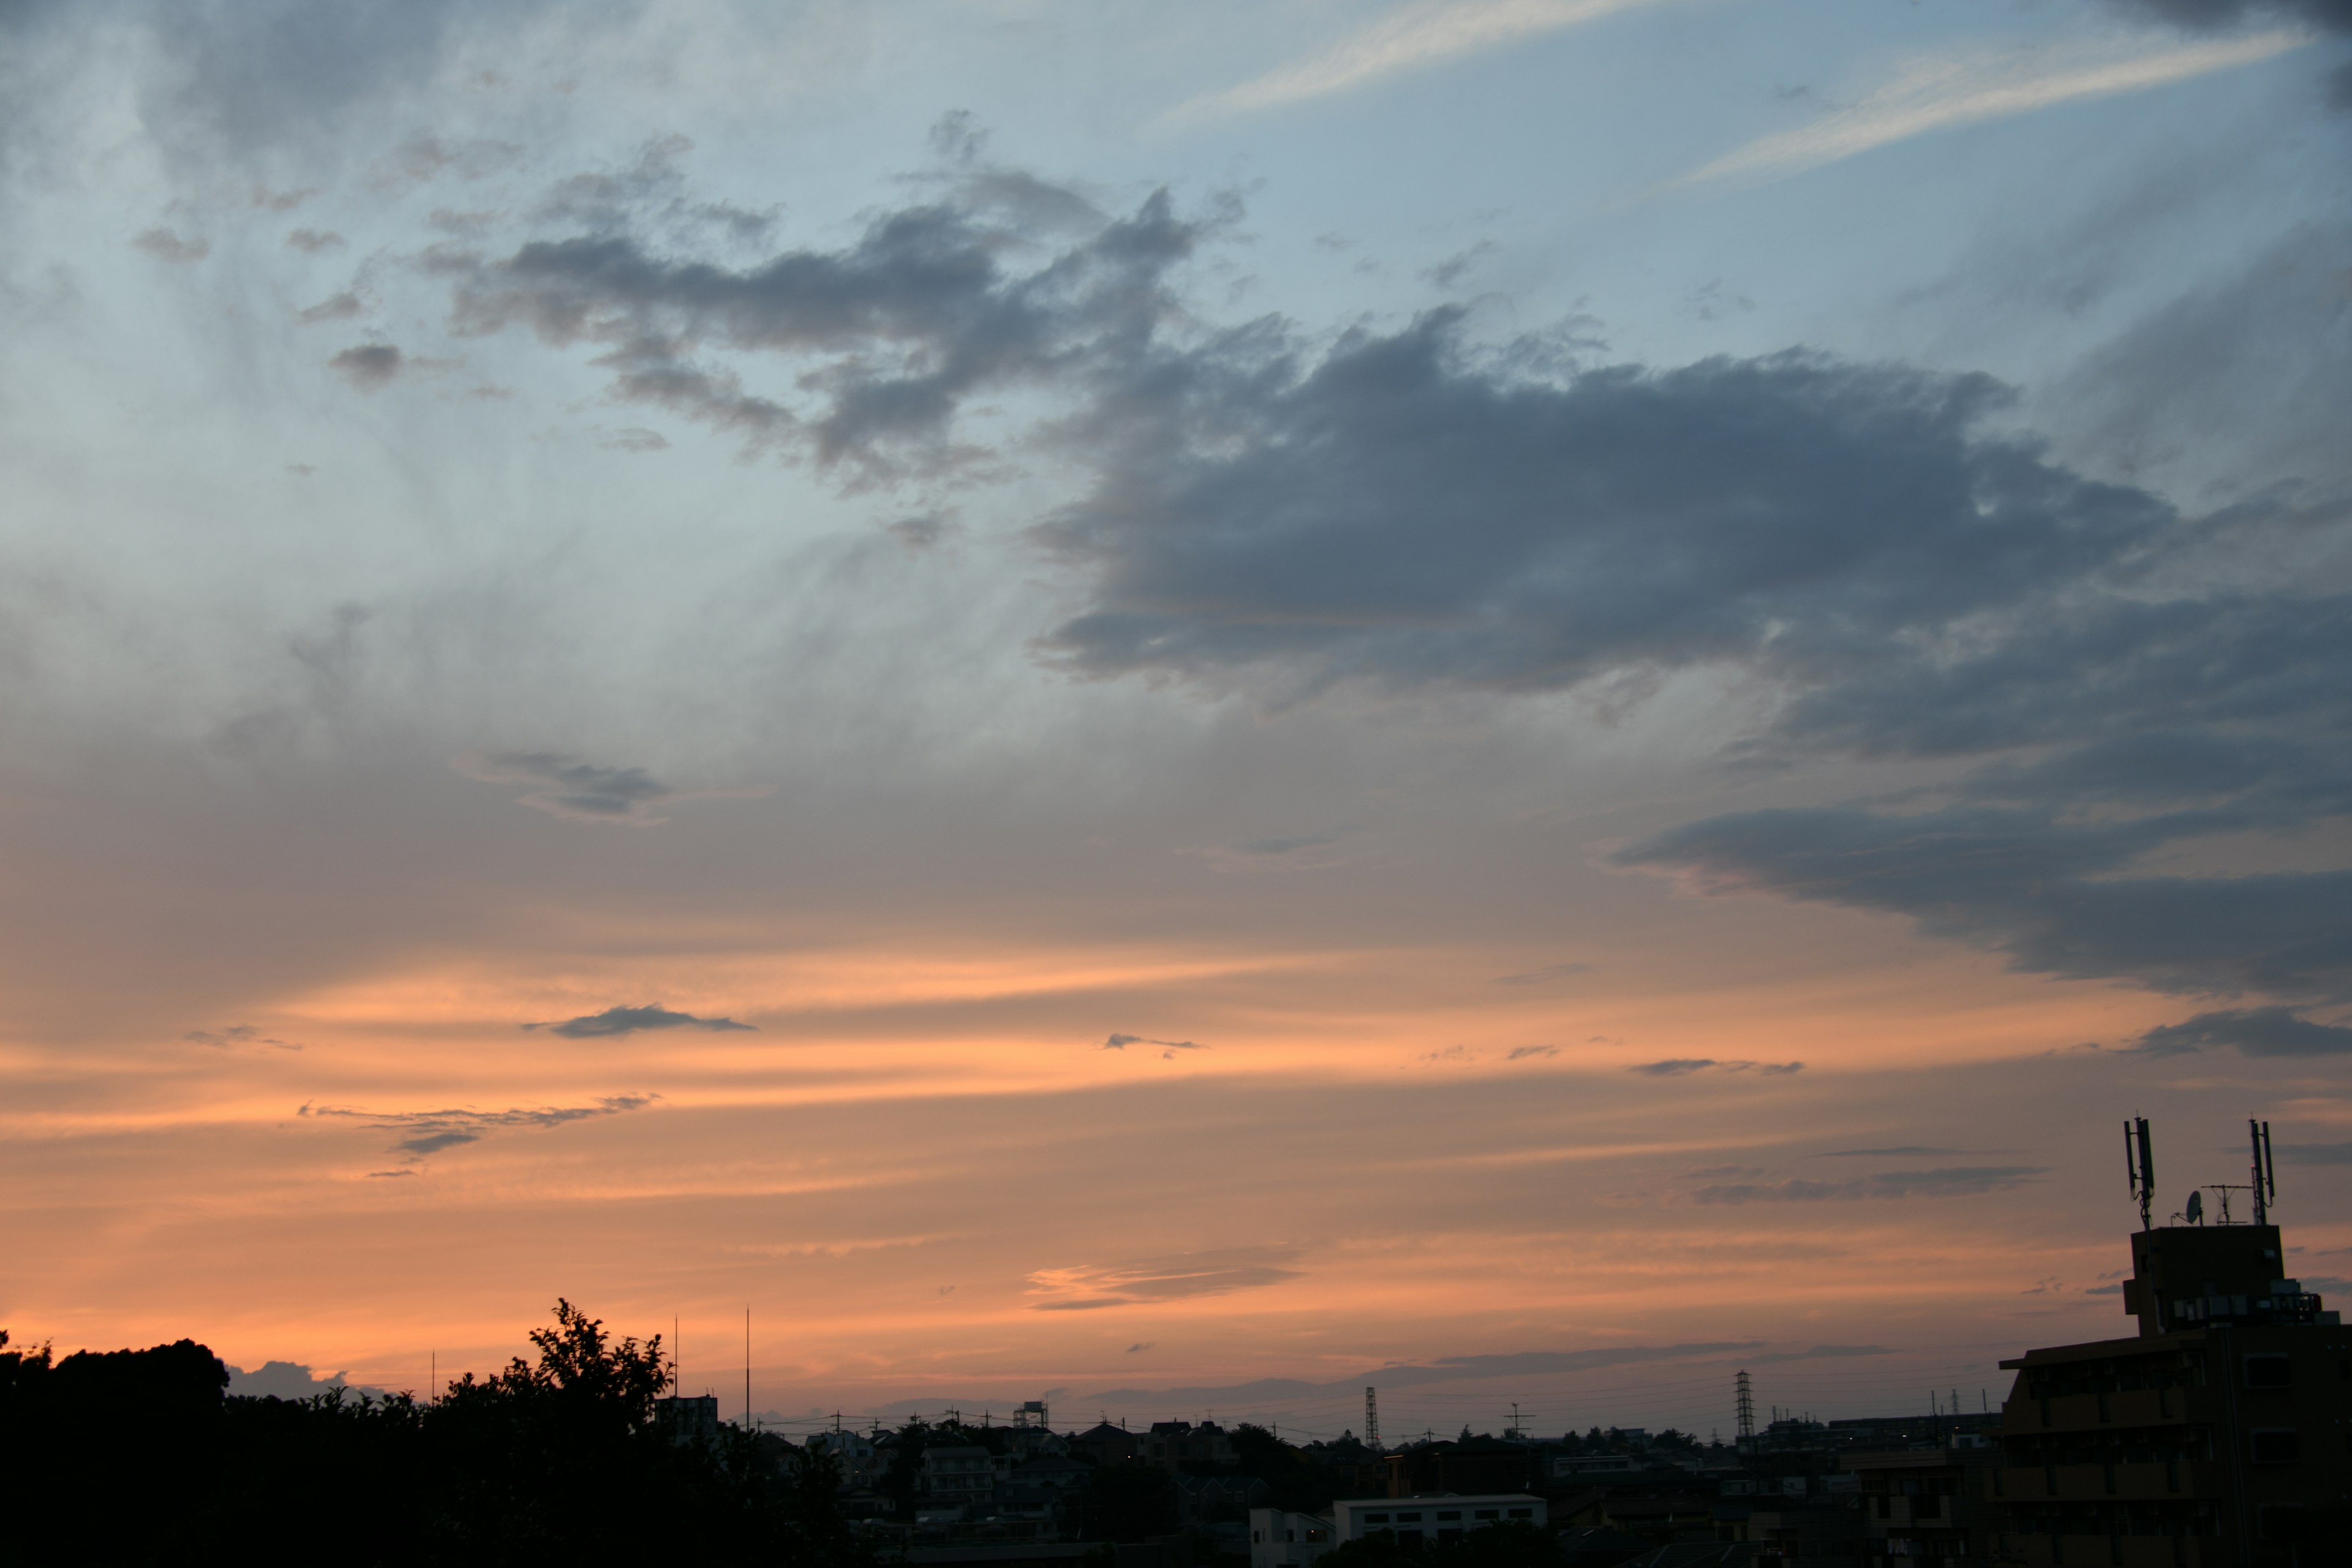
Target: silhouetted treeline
{"x":138,"y":1456}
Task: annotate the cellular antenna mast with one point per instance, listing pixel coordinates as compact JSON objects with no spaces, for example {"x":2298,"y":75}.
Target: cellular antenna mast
{"x":1745,"y":1412}
{"x":2141,"y":1171}
{"x":2265,"y":1174}
{"x":1371,"y":1421}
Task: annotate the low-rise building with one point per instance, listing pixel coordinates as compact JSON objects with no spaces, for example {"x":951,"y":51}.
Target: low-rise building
{"x":2218,"y":1437}
{"x":1280,"y":1538}
{"x":1925,"y":1503}
{"x":958,"y":1480}
{"x":1416,"y":1520}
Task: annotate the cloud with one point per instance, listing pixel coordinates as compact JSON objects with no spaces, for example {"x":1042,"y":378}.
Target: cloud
{"x":2317,"y":1154}
{"x":280,"y":1380}
{"x":1939,"y":92}
{"x":1680,"y":1067}
{"x":1548,"y":971}
{"x":424,"y":158}
{"x":166,"y":245}
{"x":614,"y":1021}
{"x":1088,"y":1288}
{"x":1523,"y":1053}
{"x":1401,"y":514}
{"x":313,"y":240}
{"x":236,"y":1035}
{"x":371,"y":367}
{"x":1412,"y":39}
{"x":1444,"y":1369}
{"x":1405,"y":510}
{"x":2254,"y":1031}
{"x":1140,"y":1346}
{"x":1286,"y":846}
{"x":427,"y":1133}
{"x":1167,"y":1048}
{"x":342,"y":307}
{"x":892,"y":333}
{"x":1902,"y":1151}
{"x":1958,"y":1181}
{"x":2333,"y":14}
{"x":634,"y":439}
{"x":571,"y":789}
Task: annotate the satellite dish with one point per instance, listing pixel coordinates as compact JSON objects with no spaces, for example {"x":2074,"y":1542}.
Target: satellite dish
{"x":2195,"y":1213}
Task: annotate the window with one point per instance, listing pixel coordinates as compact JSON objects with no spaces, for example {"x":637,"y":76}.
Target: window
{"x":1376,"y":1519}
{"x":1523,"y":1513}
{"x":2267,"y":1371}
{"x":1408,"y":1518}
{"x":1482,"y":1513}
{"x":1455,"y":1515}
{"x":2281,"y":1521}
{"x":2277,"y":1448}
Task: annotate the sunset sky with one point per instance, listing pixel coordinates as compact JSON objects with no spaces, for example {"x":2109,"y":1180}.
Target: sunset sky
{"x":1169,"y":707}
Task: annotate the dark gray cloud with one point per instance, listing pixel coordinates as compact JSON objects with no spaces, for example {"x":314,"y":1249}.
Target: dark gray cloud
{"x":2334,"y":14}
{"x":163,"y":245}
{"x":573,"y":789}
{"x":371,"y":367}
{"x":1167,"y":1048}
{"x":2317,"y":1154}
{"x":313,"y":240}
{"x":427,"y":1133}
{"x":614,"y":1021}
{"x":888,"y":337}
{"x":2255,"y":1031}
{"x":280,"y":1380}
{"x":1958,"y":1181}
{"x":1682,"y":1066}
{"x":1401,"y":512}
{"x":2044,"y":892}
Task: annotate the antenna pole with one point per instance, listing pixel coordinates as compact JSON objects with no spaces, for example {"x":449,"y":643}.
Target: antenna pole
{"x":1746,"y":1413}
{"x":2142,"y":1171}
{"x":1371,"y":1421}
{"x":747,"y":1366}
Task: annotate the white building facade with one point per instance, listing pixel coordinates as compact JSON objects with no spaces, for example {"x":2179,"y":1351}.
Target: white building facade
{"x":1432,"y":1518}
{"x":1283,"y":1540}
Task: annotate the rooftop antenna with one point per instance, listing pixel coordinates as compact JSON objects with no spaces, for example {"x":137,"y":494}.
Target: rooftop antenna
{"x":1371,"y":1420}
{"x":747,"y":1366}
{"x":2265,"y":1174}
{"x":2142,"y":1173}
{"x":2195,"y":1213}
{"x":1747,"y":1412}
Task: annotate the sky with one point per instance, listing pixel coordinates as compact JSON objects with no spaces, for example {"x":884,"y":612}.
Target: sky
{"x":1173,"y":708}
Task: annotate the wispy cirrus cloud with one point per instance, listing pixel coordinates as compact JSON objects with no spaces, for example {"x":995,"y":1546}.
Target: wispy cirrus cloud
{"x":1682,"y":1066}
{"x":1089,"y":1287}
{"x":1937,"y":92}
{"x":1167,"y":1048}
{"x":424,"y":1132}
{"x":1956,"y":1181}
{"x":1414,"y":37}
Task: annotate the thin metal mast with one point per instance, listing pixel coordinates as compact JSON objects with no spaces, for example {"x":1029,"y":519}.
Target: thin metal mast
{"x":1747,"y":1412}
{"x":1371,"y":1420}
{"x":2140,"y":1173}
{"x":2265,"y":1174}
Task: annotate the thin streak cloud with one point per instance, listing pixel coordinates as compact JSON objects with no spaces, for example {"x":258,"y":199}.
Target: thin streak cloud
{"x":1939,"y":92}
{"x":1410,"y":39}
